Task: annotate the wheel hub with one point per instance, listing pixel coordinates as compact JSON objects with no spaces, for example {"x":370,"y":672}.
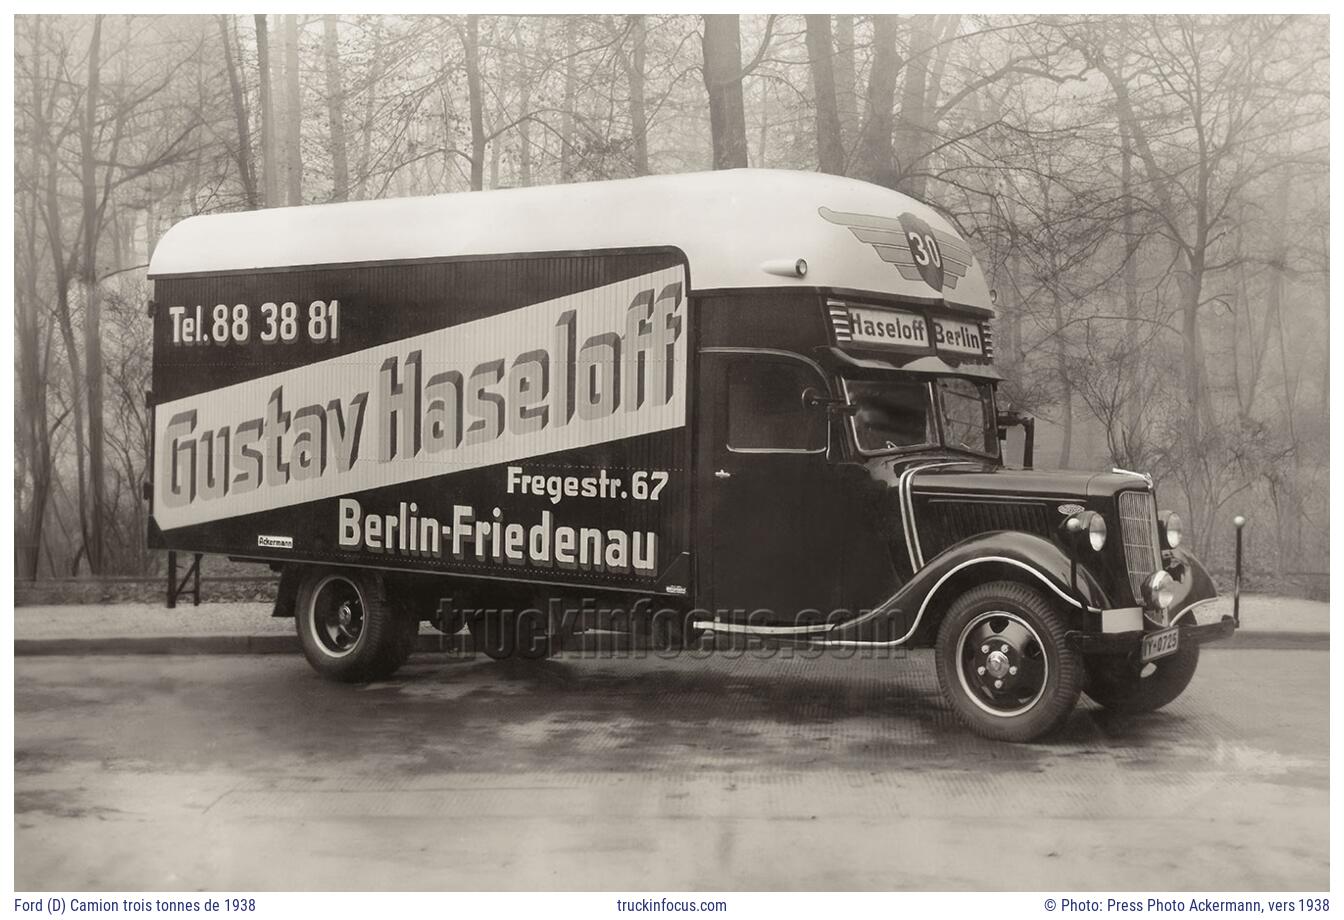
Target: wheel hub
{"x":1003,"y":667}
{"x":337,"y":616}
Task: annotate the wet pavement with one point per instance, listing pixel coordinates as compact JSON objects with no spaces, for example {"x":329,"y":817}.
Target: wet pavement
{"x":707,"y":771}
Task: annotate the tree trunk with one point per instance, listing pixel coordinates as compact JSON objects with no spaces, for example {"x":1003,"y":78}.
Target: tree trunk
{"x":340,"y":168}
{"x":293,"y":113}
{"x":93,"y":308}
{"x":61,"y":277}
{"x":525,"y":78}
{"x":846,"y":95}
{"x":33,"y":368}
{"x":821,"y":58}
{"x":911,"y":127}
{"x":1066,"y":381}
{"x":722,"y":48}
{"x":366,"y":127}
{"x":471,"y":45}
{"x":876,"y":160}
{"x":1275,"y":296}
{"x":639,"y":129}
{"x":1130,"y":284}
{"x":247,"y":173}
{"x":495,"y":148}
{"x":1013,"y":312}
{"x":270,"y":181}
{"x":763,"y":135}
{"x":568,"y":103}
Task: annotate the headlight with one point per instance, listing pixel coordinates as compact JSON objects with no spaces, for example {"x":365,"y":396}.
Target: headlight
{"x":1087,"y":528}
{"x":1158,"y":590}
{"x":1169,"y":526}
{"x":1096,"y":531}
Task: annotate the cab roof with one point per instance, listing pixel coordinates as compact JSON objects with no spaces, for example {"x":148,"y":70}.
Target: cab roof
{"x":854,"y":236}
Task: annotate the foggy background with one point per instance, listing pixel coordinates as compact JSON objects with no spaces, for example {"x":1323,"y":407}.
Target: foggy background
{"x":1148,"y":197}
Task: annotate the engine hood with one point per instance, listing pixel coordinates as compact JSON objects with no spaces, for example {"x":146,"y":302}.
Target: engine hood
{"x":973,"y":477}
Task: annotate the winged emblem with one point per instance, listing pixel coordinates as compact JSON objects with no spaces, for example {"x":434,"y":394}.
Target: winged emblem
{"x":918,"y":251}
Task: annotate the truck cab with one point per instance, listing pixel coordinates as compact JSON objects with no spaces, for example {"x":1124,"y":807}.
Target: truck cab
{"x":856,"y":495}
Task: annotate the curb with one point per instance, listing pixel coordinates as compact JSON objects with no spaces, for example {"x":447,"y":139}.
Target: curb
{"x":430,"y":644}
{"x":192,"y":645}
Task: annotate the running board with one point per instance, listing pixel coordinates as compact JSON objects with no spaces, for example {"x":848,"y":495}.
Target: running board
{"x":813,"y":635}
{"x":810,"y":636}
{"x":747,"y":629}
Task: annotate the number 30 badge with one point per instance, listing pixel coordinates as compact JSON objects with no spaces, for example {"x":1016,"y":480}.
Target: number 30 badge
{"x":924,"y":249}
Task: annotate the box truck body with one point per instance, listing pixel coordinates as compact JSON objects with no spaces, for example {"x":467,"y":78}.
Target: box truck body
{"x":522,"y":418}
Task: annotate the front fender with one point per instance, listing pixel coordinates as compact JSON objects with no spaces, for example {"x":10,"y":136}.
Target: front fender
{"x":984,"y":557}
{"x":1194,"y":585}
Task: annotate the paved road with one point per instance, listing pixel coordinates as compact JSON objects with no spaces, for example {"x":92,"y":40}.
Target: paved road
{"x":726,"y":772}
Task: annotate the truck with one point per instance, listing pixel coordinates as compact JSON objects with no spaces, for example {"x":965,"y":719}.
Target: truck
{"x":759,"y":403}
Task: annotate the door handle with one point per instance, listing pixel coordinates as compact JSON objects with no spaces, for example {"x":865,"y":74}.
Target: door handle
{"x":723,"y":474}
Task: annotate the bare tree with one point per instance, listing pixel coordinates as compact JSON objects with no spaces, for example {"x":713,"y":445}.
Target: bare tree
{"x":293,"y":114}
{"x":1120,"y":178}
{"x":821,"y":58}
{"x":331,"y":53}
{"x":270,"y":180}
{"x":634,"y":74}
{"x":1221,"y":83}
{"x":722,"y":46}
{"x":875,"y":157}
{"x":846,"y":95}
{"x":367,"y":126}
{"x":471,"y":43}
{"x":93,"y":305}
{"x":247,"y":172}
{"x":569,"y":99}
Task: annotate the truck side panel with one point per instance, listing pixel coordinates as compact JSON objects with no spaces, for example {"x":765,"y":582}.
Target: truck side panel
{"x":519,"y":418}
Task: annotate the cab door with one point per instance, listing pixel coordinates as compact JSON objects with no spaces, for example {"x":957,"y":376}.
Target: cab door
{"x":768,"y":513}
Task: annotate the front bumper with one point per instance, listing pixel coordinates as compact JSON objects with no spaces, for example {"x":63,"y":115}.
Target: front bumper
{"x":1124,"y":643}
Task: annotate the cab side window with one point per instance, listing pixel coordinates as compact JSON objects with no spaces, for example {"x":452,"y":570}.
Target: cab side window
{"x":765,"y":406}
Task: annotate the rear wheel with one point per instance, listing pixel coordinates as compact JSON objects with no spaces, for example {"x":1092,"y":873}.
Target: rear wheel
{"x":1003,"y":663}
{"x":1122,"y":685}
{"x":349,"y":628}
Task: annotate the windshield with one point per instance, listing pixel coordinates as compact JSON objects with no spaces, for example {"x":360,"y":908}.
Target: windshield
{"x":894,"y":414}
{"x":891,"y":414}
{"x":968,"y":415}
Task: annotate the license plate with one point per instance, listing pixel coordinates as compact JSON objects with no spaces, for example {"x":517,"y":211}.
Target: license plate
{"x":1160,"y":644}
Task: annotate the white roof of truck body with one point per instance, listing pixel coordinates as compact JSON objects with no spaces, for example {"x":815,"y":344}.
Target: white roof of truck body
{"x":729,"y":223}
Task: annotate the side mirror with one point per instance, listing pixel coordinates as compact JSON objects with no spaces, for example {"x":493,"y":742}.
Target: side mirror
{"x":1008,"y":420}
{"x":814,"y":398}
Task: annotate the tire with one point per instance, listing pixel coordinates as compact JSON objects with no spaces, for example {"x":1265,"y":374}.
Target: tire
{"x":1120,"y":685}
{"x":1007,"y":632}
{"x":349,"y":628}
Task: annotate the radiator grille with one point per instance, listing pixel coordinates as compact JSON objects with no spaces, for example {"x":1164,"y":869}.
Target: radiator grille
{"x":1138,"y":531}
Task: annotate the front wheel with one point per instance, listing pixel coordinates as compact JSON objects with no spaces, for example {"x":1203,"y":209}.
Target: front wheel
{"x":1003,"y":663}
{"x":349,"y":629}
{"x":1122,"y":686}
